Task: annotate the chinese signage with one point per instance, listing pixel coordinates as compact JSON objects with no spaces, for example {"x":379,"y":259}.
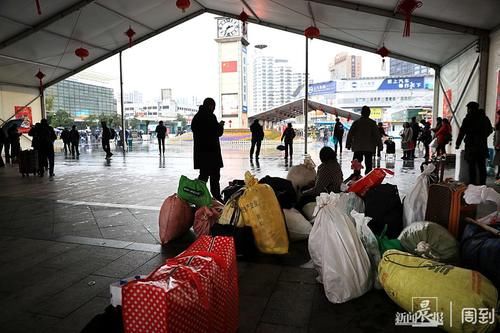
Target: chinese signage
{"x":376,"y":113}
{"x":323,"y":88}
{"x":446,"y":104}
{"x":24,"y":113}
{"x":395,"y":83}
{"x":389,"y":83}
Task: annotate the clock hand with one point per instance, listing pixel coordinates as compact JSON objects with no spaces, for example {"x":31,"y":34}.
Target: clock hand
{"x":229,"y":26}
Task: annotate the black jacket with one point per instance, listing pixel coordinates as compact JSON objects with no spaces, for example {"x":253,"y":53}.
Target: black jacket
{"x":475,"y":129}
{"x":206,"y":132}
{"x":74,"y":137}
{"x":415,"y":131}
{"x":338,"y":130}
{"x":257,"y":132}
{"x":288,"y":135}
{"x":161,"y":131}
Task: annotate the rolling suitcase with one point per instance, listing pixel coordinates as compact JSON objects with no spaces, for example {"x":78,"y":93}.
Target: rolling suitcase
{"x":446,"y":206}
{"x":28,"y":162}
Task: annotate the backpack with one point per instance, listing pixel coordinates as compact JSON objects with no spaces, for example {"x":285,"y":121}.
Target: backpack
{"x":112,"y":134}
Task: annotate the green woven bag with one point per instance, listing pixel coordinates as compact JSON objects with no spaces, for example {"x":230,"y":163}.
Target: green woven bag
{"x":194,"y":191}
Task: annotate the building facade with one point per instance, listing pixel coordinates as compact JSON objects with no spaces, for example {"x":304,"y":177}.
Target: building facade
{"x":400,"y":67}
{"x":81,"y":100}
{"x":132,"y":97}
{"x":345,"y":66}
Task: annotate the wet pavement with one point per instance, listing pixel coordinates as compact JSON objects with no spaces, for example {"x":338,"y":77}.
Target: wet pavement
{"x":64,"y":240}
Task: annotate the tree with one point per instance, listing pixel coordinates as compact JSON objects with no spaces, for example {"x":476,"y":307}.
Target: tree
{"x":60,"y":118}
{"x":182,"y":119}
{"x":92,"y":121}
{"x":134,"y":123}
{"x":49,"y":103}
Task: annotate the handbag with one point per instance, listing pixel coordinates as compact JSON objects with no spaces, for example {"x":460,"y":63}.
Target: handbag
{"x":281,"y":147}
{"x":194,"y":191}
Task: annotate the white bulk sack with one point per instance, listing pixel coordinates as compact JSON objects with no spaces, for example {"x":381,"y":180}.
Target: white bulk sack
{"x":308,"y":211}
{"x":369,"y":242}
{"x":415,"y":203}
{"x":298,"y":227}
{"x":337,"y":252}
{"x":302,"y":175}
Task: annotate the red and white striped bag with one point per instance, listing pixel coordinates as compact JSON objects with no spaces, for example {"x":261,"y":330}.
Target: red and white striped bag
{"x":225,"y":314}
{"x":176,"y":297}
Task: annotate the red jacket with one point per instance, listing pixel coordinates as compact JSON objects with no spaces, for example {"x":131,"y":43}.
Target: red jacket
{"x":443,"y":135}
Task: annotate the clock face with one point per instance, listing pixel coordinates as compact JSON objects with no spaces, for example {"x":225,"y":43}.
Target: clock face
{"x":228,"y":27}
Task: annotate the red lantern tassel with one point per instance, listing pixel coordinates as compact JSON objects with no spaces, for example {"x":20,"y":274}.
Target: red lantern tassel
{"x":406,"y":30}
{"x":38,"y":8}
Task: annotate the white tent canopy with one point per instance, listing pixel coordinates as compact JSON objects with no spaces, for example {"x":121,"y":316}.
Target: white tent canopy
{"x":440,"y":30}
{"x":294,"y":109}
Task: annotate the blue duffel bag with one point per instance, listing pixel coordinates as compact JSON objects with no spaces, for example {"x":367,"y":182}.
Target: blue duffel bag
{"x":480,"y":250}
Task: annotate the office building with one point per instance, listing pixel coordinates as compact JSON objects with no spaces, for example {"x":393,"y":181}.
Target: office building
{"x":345,"y":66}
{"x":400,"y":67}
{"x":132,"y":97}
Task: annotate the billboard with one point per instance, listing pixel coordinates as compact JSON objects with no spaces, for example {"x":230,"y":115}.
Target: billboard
{"x":24,"y":113}
{"x":323,"y":88}
{"x":229,"y":105}
{"x":389,"y":83}
{"x":446,"y":107}
{"x":395,"y":83}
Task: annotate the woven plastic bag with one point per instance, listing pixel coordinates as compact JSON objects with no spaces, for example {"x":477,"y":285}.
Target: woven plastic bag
{"x":260,"y":210}
{"x":194,"y":191}
{"x":415,"y":203}
{"x":337,"y":252}
{"x":205,"y":217}
{"x":372,"y":179}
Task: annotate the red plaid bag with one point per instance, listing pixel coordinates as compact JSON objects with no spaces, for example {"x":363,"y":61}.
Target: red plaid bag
{"x":225,"y":294}
{"x":176,"y":297}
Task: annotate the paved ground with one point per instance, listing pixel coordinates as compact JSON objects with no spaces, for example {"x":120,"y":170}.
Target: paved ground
{"x":64,"y":240}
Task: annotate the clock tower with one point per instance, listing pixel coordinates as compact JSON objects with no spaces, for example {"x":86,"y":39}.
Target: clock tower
{"x":233,"y":88}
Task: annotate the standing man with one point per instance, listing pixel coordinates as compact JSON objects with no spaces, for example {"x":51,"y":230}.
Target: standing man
{"x":476,"y":127}
{"x":66,"y":140}
{"x":257,"y":137}
{"x":382,"y":135}
{"x":15,"y":145}
{"x":338,"y":133}
{"x":288,"y":135}
{"x":46,"y":137}
{"x":363,"y":138}
{"x":106,"y":136}
{"x":415,"y":133}
{"x":207,"y":154}
{"x":74,"y":138}
{"x":161,"y":131}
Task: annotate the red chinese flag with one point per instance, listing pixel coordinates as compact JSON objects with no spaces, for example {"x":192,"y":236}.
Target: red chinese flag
{"x":229,"y":66}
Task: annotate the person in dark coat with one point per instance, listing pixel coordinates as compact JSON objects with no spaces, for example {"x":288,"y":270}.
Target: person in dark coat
{"x":106,"y":136}
{"x":207,"y":154}
{"x":476,"y":127}
{"x":46,"y":137}
{"x":426,"y":137}
{"x":66,"y":140}
{"x":257,"y":137}
{"x":288,"y":136}
{"x":15,"y":145}
{"x":74,"y":138}
{"x":338,"y":133}
{"x":415,"y":128}
{"x":382,"y":136}
{"x":161,"y":132}
{"x":363,"y":138}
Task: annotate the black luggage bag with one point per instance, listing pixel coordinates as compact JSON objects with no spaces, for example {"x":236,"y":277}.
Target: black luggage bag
{"x":383,"y":205}
{"x":28,"y":162}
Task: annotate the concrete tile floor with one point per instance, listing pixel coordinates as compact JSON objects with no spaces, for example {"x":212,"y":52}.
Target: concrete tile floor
{"x":64,"y":240}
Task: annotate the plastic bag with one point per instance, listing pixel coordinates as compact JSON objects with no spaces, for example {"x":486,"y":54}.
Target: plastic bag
{"x":410,"y":280}
{"x":337,"y":252}
{"x":480,"y":194}
{"x":350,"y":201}
{"x":372,"y":179}
{"x":175,"y":219}
{"x":369,"y":242}
{"x":415,"y":203}
{"x":260,"y":210}
{"x":194,"y":191}
{"x":298,"y":227}
{"x":205,"y":217}
{"x":385,"y":243}
{"x":302,"y":175}
{"x":308,"y":211}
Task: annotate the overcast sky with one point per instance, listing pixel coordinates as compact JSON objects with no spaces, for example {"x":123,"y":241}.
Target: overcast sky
{"x":184,"y":58}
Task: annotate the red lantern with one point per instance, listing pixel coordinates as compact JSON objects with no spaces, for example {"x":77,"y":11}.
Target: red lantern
{"x":40,"y":77}
{"x":130,"y":33}
{"x":38,"y":8}
{"x":383,"y":52}
{"x":82,"y":53}
{"x":349,"y":117}
{"x":312,"y":32}
{"x":406,"y":7}
{"x":183,"y":4}
{"x":244,"y":18}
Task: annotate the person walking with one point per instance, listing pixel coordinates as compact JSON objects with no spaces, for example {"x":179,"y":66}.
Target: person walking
{"x":415,"y":130}
{"x":207,"y":156}
{"x":15,"y":145}
{"x":161,"y":132}
{"x":443,"y":137}
{"x":363,"y":138}
{"x":106,"y":136}
{"x":406,"y":141}
{"x":381,"y":131}
{"x":46,"y":137}
{"x":475,"y":129}
{"x":66,"y":140}
{"x":74,"y":138}
{"x":338,"y":133}
{"x":288,"y":136}
{"x":257,"y":137}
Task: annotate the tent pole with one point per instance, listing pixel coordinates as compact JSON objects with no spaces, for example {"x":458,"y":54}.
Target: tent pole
{"x":42,"y":102}
{"x":484,"y":51}
{"x":121,"y":104}
{"x":305,"y":107}
{"x":435,"y":106}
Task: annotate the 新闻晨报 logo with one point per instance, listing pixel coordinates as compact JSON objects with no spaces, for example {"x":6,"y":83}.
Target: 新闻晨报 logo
{"x":424,"y":313}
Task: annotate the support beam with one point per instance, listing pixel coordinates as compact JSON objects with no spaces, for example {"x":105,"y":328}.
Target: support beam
{"x":414,"y":18}
{"x":45,"y":23}
{"x":124,"y":47}
{"x":306,"y":96}
{"x":42,"y":102}
{"x":121,"y":105}
{"x":435,"y":105}
{"x":251,"y":10}
{"x":37,"y":63}
{"x":484,"y":52}
{"x":464,"y":50}
{"x":328,"y":39}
